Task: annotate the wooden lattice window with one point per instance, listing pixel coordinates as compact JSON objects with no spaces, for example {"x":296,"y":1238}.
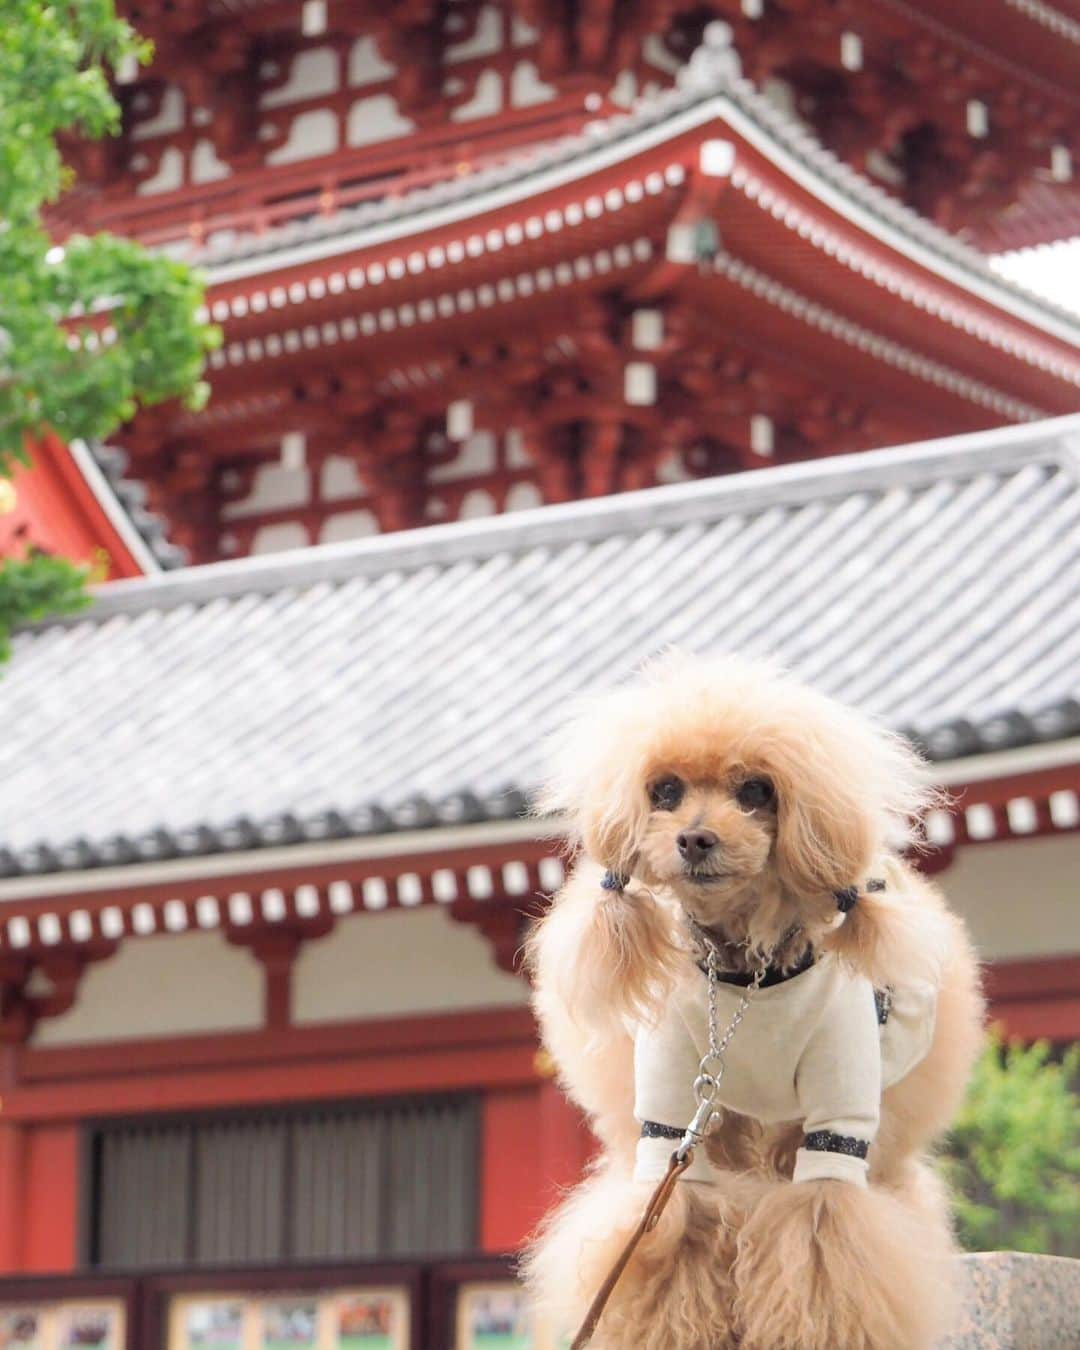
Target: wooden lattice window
{"x":308,"y":1184}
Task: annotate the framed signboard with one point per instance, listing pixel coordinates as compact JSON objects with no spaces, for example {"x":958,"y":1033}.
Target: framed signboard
{"x":89,"y":1326}
{"x":22,"y":1329}
{"x":327,"y":1319}
{"x":334,"y":1307}
{"x":479,"y":1305}
{"x":84,"y":1324}
{"x":371,"y":1319}
{"x":207,"y":1324}
{"x":493,"y":1317}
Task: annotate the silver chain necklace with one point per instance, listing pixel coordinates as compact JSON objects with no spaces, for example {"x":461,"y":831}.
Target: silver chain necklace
{"x":711,"y":1068}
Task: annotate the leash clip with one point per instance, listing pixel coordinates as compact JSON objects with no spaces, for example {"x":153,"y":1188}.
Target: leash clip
{"x":698,"y":1127}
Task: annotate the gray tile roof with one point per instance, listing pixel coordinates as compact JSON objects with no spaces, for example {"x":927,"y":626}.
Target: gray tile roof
{"x":408,"y":680}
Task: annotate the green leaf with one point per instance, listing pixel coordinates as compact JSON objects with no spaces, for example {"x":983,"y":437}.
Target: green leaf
{"x":89,"y":335}
{"x":1012,"y":1158}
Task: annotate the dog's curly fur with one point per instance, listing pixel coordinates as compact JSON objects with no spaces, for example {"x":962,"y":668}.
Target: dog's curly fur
{"x":752,"y":1260}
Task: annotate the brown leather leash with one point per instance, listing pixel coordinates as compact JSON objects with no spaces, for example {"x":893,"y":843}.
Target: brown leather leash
{"x":657,"y":1204}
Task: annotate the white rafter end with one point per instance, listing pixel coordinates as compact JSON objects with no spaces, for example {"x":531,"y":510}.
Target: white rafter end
{"x":639,"y":384}
{"x":313,"y":18}
{"x":762,"y":434}
{"x":459,"y":419}
{"x":647,"y":329}
{"x":717,"y":158}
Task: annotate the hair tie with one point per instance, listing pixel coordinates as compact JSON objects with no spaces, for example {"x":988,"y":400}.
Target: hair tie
{"x":614,"y":881}
{"x":848,"y":898}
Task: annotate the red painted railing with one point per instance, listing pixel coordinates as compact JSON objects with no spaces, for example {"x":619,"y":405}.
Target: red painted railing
{"x":257,"y":200}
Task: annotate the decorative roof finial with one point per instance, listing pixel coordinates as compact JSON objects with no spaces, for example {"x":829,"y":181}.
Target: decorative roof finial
{"x":714,"y":64}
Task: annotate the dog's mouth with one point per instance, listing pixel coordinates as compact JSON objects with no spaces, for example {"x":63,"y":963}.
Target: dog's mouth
{"x":696,"y":877}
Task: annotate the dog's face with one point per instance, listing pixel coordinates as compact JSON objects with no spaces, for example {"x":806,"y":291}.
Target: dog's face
{"x":734,"y":788}
{"x":709,"y":839}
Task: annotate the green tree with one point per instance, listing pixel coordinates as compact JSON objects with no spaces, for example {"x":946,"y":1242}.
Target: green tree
{"x":90,"y":331}
{"x":1013,"y":1156}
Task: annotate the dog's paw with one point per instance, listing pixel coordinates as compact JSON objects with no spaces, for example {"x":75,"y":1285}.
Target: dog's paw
{"x":825,"y":1264}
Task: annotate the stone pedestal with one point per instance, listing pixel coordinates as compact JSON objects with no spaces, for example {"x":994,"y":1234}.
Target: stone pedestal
{"x":1017,"y":1302}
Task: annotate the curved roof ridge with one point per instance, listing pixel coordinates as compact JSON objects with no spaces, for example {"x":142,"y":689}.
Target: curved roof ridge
{"x":673,"y":504}
{"x":802,"y":141}
{"x":711,"y":74}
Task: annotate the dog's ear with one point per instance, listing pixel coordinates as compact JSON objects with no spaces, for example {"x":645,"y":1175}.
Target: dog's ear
{"x":606,"y":807}
{"x":825,"y":836}
{"x":595,"y":782}
{"x":848,"y":791}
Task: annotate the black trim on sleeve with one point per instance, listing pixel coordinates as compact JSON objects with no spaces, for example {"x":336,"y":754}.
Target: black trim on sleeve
{"x":883,"y":1003}
{"x":652,"y":1129}
{"x":824,"y":1141}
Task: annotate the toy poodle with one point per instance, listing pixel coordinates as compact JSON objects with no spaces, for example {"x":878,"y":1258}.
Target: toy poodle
{"x":731,"y":820}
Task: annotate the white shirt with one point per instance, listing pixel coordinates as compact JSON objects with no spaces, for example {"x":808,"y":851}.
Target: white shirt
{"x":810,"y":1049}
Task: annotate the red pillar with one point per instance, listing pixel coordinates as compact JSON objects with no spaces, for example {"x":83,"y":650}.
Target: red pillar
{"x":534,"y":1145}
{"x":12,"y":1196}
{"x":510,"y":1201}
{"x":51,"y":1198}
{"x":566,"y":1142}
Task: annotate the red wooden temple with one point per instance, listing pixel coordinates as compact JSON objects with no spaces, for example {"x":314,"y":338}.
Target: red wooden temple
{"x":264,"y":867}
{"x":525,"y":270}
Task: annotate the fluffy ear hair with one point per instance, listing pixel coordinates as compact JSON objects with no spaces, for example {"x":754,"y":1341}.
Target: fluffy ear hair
{"x":602,"y":955}
{"x":848,"y":792}
{"x":594,"y":782}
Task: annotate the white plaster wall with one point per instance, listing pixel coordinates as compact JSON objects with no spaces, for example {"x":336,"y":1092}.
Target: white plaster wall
{"x":275,"y":487}
{"x":396,"y":964}
{"x":517,"y":457}
{"x":476,"y":504}
{"x":487,"y":98}
{"x":485,"y":41}
{"x":476,"y":456}
{"x":527,"y":88}
{"x":205,"y":165}
{"x":312,"y":73}
{"x":312,"y":133}
{"x":376,"y":119}
{"x":169,"y":119}
{"x":161,"y":986}
{"x":278,"y":538}
{"x":523,"y":496}
{"x":348,"y":525}
{"x":340,"y":478}
{"x":1020,"y":898}
{"x":366,"y":65}
{"x":169,"y":176}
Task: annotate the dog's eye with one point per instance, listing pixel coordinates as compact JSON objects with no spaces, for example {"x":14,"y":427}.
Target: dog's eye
{"x":755,"y":793}
{"x":666,"y":793}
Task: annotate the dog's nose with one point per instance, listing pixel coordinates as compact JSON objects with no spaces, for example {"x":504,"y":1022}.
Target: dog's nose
{"x":694,"y":845}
